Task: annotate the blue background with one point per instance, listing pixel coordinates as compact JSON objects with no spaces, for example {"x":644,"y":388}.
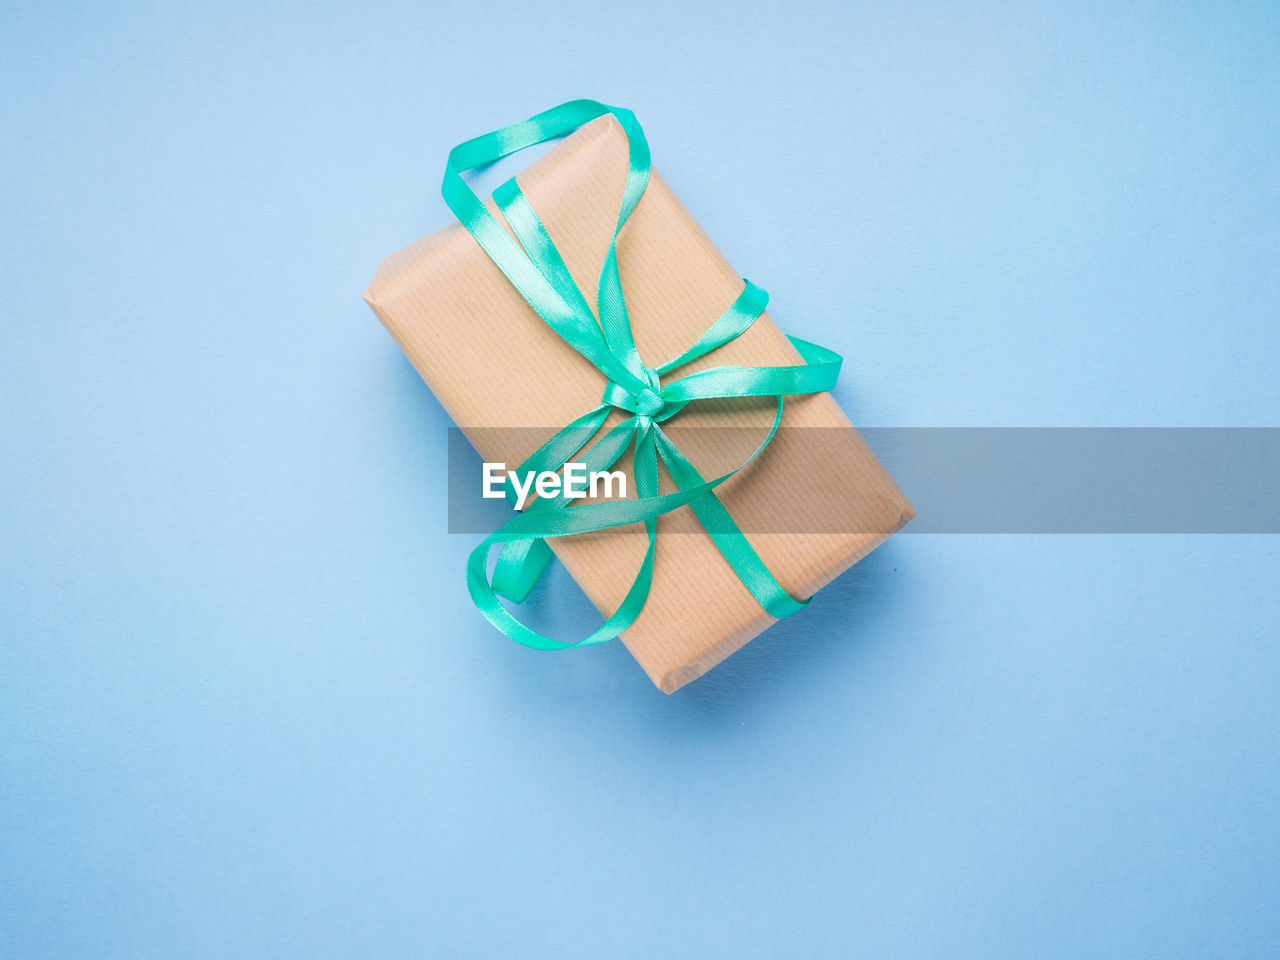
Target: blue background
{"x":246,"y":708}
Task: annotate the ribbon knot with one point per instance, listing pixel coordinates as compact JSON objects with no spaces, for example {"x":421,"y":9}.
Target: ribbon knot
{"x":536,"y":269}
{"x":649,"y":404}
{"x":644,"y":401}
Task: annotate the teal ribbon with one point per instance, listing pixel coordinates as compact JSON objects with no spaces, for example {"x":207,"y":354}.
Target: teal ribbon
{"x":536,"y":269}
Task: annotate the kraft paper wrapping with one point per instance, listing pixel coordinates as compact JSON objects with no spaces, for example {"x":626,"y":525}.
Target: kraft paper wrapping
{"x":488,"y":358}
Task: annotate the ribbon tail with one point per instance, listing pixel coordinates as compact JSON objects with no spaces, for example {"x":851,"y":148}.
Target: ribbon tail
{"x":726,"y":534}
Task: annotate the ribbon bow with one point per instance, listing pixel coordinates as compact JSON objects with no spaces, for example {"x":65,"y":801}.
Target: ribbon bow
{"x":537,"y":271}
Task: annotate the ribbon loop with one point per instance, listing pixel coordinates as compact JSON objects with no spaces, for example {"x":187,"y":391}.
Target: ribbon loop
{"x":536,"y":270}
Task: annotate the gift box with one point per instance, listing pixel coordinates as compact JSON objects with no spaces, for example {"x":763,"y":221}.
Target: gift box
{"x":509,"y":381}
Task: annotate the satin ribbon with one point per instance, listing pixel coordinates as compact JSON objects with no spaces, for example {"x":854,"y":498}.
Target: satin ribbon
{"x":536,"y":269}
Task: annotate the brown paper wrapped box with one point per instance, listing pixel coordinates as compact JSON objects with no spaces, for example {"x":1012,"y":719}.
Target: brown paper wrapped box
{"x":488,"y":357}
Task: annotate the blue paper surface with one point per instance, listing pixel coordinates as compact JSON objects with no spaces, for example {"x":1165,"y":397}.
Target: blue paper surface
{"x":235,"y":720}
